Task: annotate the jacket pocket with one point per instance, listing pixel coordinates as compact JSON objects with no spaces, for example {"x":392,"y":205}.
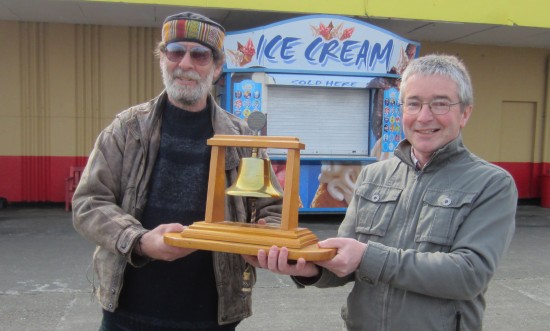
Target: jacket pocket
{"x":375,"y":208}
{"x":440,"y":216}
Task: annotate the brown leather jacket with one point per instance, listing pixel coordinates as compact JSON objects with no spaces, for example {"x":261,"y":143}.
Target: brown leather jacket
{"x":112,"y":194}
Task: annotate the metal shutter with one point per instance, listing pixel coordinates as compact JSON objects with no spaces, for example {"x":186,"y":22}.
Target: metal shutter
{"x":329,"y":121}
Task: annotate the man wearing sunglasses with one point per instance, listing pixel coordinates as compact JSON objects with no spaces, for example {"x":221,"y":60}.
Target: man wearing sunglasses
{"x":147,"y":175}
{"x":425,"y":230}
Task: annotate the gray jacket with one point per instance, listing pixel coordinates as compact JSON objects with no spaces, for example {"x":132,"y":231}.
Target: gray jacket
{"x":112,"y":193}
{"x":435,"y":238}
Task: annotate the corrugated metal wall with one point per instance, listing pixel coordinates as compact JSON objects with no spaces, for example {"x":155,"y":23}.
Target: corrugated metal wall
{"x":60,"y":84}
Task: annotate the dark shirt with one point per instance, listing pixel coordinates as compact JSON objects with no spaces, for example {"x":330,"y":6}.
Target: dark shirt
{"x":183,"y":291}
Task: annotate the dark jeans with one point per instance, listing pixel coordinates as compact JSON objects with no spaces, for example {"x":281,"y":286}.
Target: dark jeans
{"x":120,"y":321}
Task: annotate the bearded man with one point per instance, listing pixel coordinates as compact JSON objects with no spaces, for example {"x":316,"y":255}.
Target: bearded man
{"x":148,"y":175}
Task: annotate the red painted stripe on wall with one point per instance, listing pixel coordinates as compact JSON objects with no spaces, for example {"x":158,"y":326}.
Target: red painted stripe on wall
{"x":42,"y":178}
{"x":35,"y":178}
{"x":527,"y":177}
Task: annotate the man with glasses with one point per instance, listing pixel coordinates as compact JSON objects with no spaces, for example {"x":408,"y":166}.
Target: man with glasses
{"x":147,"y":175}
{"x":425,"y":230}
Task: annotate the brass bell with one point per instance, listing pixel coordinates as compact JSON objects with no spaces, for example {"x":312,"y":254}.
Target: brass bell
{"x":254,"y":180}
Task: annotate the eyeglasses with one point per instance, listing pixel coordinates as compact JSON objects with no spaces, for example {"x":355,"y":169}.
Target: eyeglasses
{"x":437,"y":107}
{"x":199,"y":55}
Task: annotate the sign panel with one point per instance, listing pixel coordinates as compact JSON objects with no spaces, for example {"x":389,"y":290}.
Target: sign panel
{"x":392,"y":132}
{"x":321,"y":44}
{"x":247,"y":98}
{"x":320,"y":81}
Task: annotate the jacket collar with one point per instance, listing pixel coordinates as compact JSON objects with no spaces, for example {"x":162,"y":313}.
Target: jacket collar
{"x":221,"y":123}
{"x":439,"y":157}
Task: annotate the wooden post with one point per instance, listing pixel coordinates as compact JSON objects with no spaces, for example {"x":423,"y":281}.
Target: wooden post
{"x":215,"y":207}
{"x":289,"y":216}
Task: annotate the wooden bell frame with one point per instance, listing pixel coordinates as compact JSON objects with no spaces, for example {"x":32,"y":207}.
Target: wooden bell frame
{"x":215,"y":234}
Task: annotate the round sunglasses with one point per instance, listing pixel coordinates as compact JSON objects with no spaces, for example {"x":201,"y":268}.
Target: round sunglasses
{"x":199,"y":55}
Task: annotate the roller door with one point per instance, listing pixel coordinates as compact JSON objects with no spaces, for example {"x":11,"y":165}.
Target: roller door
{"x":329,"y":121}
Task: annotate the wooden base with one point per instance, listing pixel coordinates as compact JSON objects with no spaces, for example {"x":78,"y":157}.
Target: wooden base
{"x":243,"y":238}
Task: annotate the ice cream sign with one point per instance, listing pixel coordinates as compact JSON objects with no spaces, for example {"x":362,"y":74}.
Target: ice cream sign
{"x":317,"y":43}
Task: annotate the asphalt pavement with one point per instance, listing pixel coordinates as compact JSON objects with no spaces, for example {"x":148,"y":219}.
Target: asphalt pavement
{"x":44,"y":274}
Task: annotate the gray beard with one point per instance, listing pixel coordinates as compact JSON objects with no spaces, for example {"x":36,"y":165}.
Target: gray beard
{"x":184,"y":94}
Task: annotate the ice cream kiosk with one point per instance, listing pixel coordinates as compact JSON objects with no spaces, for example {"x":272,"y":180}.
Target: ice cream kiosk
{"x":330,"y":80}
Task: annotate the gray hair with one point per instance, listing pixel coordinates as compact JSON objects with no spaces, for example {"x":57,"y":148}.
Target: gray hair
{"x":448,"y":66}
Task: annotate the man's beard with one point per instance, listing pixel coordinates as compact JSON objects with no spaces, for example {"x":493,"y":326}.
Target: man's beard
{"x":186,"y":95}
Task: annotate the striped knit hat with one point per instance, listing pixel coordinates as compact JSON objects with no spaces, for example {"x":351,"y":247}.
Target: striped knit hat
{"x":189,"y":26}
